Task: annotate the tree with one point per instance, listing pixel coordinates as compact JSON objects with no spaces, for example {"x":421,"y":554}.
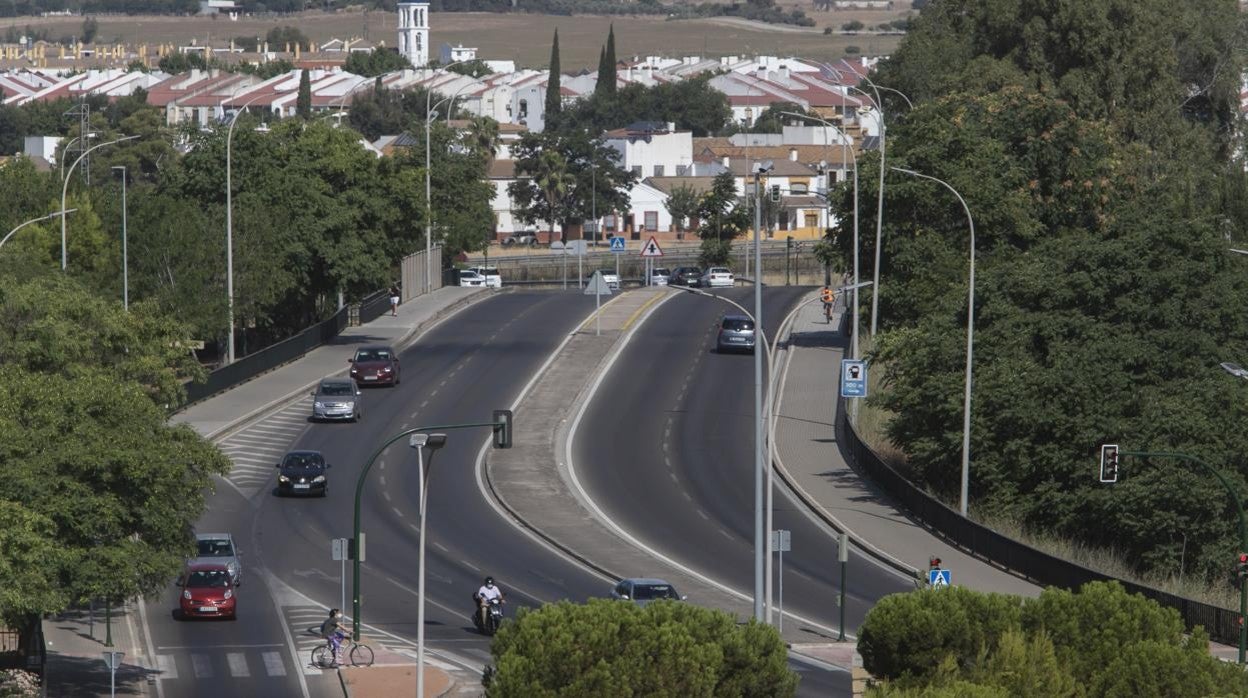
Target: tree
{"x":600,"y":85}
{"x":591,"y":174}
{"x":554,"y":93}
{"x":30,"y":552}
{"x":285,"y":37}
{"x":90,"y":27}
{"x":303,"y":102}
{"x":682,"y":203}
{"x":773,"y":119}
{"x":476,"y":68}
{"x":379,"y":61}
{"x":609,"y":80}
{"x":666,"y":648}
{"x":722,"y":218}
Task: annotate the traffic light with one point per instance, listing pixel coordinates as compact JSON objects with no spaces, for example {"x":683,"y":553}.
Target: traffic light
{"x":502,"y":428}
{"x":933,"y":563}
{"x":775,"y":192}
{"x":1109,"y":463}
{"x":1241,"y":567}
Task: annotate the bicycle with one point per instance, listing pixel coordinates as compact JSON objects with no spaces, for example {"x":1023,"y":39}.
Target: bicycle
{"x":359,"y":654}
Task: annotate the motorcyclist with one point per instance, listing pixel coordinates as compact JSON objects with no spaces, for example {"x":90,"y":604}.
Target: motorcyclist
{"x":487,"y":593}
{"x":334,"y":632}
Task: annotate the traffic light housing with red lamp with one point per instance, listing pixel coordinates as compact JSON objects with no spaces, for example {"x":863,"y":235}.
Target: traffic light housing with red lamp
{"x":1241,"y":567}
{"x":1109,"y":463}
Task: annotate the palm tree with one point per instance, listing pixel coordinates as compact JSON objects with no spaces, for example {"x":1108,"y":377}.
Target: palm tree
{"x":483,"y":135}
{"x":553,"y":179}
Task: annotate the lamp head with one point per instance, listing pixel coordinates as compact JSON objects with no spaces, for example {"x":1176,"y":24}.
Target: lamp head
{"x":765,"y":166}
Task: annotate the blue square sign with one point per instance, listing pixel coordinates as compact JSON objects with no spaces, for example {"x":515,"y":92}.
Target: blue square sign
{"x":617,"y":244}
{"x":853,"y":378}
{"x":939,"y":578}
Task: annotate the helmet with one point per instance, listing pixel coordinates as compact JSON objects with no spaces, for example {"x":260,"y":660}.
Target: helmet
{"x":489,"y":581}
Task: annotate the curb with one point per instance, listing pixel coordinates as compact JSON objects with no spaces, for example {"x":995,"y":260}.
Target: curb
{"x":809,"y":501}
{"x":400,"y":343}
{"x":342,"y":681}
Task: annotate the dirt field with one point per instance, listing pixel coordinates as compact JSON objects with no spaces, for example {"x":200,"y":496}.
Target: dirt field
{"x":521,"y":37}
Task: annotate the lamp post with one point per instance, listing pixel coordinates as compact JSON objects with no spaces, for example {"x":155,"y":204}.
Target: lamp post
{"x":428,"y":203}
{"x":125,"y":259}
{"x":65,"y":150}
{"x":229,"y":230}
{"x":33,"y":220}
{"x":760,"y":536}
{"x":65,"y":190}
{"x":970,"y":341}
{"x":420,"y":442}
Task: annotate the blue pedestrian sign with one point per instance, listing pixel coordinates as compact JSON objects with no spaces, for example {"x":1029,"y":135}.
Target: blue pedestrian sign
{"x":939,"y":578}
{"x":853,"y":378}
{"x":617,"y":244}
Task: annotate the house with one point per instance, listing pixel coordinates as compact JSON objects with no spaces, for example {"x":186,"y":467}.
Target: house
{"x":652,"y":148}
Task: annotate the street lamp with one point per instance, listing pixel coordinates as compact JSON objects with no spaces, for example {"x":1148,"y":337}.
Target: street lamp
{"x":970,"y":342}
{"x":65,"y":150}
{"x":229,"y":230}
{"x":420,"y":442}
{"x":65,"y":190}
{"x":125,"y":259}
{"x":33,"y":220}
{"x":428,"y":166}
{"x":760,"y":536}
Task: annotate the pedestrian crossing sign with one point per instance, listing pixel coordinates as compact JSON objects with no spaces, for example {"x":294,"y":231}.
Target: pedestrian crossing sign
{"x":617,"y":244}
{"x":939,"y":578}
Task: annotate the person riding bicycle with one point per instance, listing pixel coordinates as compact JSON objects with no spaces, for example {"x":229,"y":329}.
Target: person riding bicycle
{"x":827,"y":295}
{"x":487,"y":593}
{"x":334,"y":631}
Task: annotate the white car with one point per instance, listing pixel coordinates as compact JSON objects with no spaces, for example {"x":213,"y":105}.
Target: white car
{"x":492,"y":278}
{"x":468,"y":277}
{"x":610,"y":278}
{"x":717,"y":277}
{"x":660,"y":276}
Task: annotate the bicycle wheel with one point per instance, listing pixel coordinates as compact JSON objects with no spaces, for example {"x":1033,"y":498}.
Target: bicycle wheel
{"x":361,"y":655}
{"x":322,"y":656}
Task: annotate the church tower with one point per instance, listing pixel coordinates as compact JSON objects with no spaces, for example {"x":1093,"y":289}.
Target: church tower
{"x":414,"y":32}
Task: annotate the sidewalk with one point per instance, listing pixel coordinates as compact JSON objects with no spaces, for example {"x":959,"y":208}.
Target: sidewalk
{"x":394,"y":674}
{"x":75,"y":666}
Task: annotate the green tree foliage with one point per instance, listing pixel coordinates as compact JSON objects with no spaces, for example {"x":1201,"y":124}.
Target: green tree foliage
{"x":476,"y":68}
{"x":773,"y":119}
{"x":385,"y":112}
{"x":178,"y":62}
{"x":1099,"y":641}
{"x":691,"y":104}
{"x":610,"y":648}
{"x":31,"y":551}
{"x":682,"y":203}
{"x":90,"y":27}
{"x":554,"y":91}
{"x":280,"y":38}
{"x":606,"y":84}
{"x":722,"y":216}
{"x":379,"y":61}
{"x":303,"y":101}
{"x":560,"y":174}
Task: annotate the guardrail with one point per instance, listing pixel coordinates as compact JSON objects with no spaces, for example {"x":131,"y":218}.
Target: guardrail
{"x":1033,"y":564}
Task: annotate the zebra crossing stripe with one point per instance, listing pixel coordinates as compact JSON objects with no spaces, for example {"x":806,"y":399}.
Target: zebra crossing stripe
{"x":202,"y":666}
{"x":238,"y":664}
{"x":273,"y":664}
{"x":168,"y":667}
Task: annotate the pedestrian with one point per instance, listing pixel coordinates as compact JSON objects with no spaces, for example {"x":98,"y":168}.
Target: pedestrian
{"x":394,"y":299}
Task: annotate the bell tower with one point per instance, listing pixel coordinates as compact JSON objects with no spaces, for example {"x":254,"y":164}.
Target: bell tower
{"x":414,"y":32}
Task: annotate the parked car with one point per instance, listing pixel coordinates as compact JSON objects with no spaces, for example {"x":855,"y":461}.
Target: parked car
{"x":519,"y":239}
{"x":492,"y":278}
{"x":375,"y":364}
{"x":736,"y":333}
{"x":717,"y":277}
{"x":337,"y":398}
{"x":611,"y":278}
{"x":207,"y":591}
{"x":468,"y":277}
{"x":660,"y":276}
{"x":642,"y":591}
{"x":686,"y":276}
{"x":303,"y":473}
{"x":219,"y":548}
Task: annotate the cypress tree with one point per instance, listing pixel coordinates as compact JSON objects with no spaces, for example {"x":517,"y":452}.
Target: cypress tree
{"x":554,"y":101}
{"x":600,"y":86}
{"x":609,"y":62}
{"x":303,"y":102}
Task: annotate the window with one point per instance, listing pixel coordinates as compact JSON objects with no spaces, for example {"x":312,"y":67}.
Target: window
{"x":812,"y":219}
{"x":652,"y":220}
{"x":609,"y":223}
{"x":798,"y":188}
{"x":524,"y":108}
{"x":658,"y":170}
{"x":682,"y":170}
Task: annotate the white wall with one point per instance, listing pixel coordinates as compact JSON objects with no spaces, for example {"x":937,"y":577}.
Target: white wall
{"x":667,"y":150}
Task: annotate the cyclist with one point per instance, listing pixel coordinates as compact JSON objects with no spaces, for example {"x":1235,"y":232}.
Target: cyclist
{"x":827,"y":295}
{"x":487,"y":593}
{"x":334,"y":632}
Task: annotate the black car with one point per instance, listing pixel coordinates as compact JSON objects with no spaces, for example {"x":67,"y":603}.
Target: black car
{"x":686,"y":276}
{"x":303,"y":473}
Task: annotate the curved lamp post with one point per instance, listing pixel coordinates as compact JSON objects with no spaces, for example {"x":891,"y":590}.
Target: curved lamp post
{"x":65,"y":150}
{"x":428,"y":184}
{"x":229,"y":230}
{"x":65,"y":190}
{"x":33,"y":220}
{"x":970,"y":342}
{"x":420,"y":442}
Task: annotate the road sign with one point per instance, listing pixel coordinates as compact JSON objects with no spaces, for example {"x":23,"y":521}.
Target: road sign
{"x":939,"y":578}
{"x":338,"y":548}
{"x":617,"y":244}
{"x":651,"y":248}
{"x":780,"y":541}
{"x":853,"y":378}
{"x":576,"y":248}
{"x":597,"y":286}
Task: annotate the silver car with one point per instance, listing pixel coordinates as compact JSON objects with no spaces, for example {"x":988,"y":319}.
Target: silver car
{"x":219,"y":548}
{"x":736,"y":333}
{"x":337,"y":398}
{"x":643,"y":590}
{"x":660,"y":276}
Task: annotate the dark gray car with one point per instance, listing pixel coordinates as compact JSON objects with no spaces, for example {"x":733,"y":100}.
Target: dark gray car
{"x":643,"y":590}
{"x":337,"y":398}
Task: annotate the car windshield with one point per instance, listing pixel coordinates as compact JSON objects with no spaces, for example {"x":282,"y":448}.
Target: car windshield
{"x":718,"y":270}
{"x":738,"y":324}
{"x":662,"y":272}
{"x":646,"y":592}
{"x":216,"y":547}
{"x":336,"y":389}
{"x":303,"y":460}
{"x":372,"y":355}
{"x":208,"y":579}
{"x":488,"y":271}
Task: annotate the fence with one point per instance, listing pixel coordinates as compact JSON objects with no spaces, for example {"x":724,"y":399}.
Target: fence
{"x":1036,"y":565}
{"x":412,"y":270}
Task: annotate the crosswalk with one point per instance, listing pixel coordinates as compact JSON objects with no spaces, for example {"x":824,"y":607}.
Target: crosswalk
{"x":239,"y":662}
{"x":256,"y":449}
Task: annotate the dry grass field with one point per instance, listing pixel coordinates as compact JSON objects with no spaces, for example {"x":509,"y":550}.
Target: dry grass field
{"x":524,"y":38}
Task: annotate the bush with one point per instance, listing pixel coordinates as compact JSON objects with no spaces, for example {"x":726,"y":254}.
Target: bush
{"x":615,"y":648}
{"x":852,"y":26}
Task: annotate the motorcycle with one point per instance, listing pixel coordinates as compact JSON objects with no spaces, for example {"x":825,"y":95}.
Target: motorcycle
{"x":493,"y":617}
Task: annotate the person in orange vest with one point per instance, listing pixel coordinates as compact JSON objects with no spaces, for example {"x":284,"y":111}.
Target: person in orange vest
{"x":827,"y":295}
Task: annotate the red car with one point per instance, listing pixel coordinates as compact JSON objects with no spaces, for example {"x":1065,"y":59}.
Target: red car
{"x":208,"y":591}
{"x":375,"y":365}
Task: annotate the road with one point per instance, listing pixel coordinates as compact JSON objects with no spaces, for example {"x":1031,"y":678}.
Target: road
{"x":456,"y":373}
{"x":678,"y":456}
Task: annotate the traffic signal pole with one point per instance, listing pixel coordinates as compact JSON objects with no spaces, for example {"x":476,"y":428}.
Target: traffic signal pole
{"x":1243,"y":530}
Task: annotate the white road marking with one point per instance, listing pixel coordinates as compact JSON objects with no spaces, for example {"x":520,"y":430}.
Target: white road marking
{"x":238,"y":664}
{"x":396,"y":511}
{"x":202,"y":665}
{"x":273,"y":664}
{"x":703,"y":515}
{"x":439,"y":546}
{"x":386,"y":495}
{"x":168,"y":668}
